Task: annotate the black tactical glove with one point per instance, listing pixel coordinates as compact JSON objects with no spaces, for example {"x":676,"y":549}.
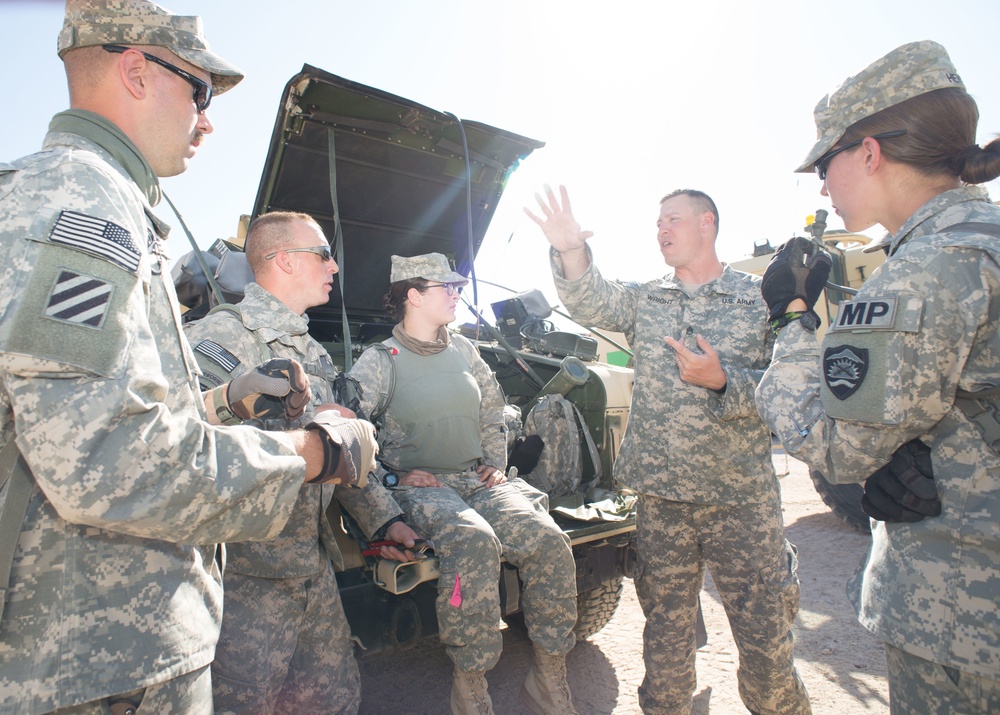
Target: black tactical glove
{"x":277,"y":389}
{"x":798,"y":270}
{"x":347,"y":392}
{"x":349,"y":449}
{"x":903,"y":490}
{"x":525,"y":453}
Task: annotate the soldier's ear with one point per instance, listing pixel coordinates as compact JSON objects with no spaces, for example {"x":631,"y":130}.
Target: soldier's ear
{"x":283,"y":262}
{"x":133,"y":71}
{"x":871,"y":152}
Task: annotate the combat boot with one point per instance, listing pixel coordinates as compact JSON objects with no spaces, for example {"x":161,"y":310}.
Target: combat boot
{"x":545,"y":690}
{"x":469,"y":694}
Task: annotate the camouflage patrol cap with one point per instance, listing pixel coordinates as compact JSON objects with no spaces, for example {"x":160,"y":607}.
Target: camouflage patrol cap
{"x":140,"y":22}
{"x":906,"y":72}
{"x":430,"y":266}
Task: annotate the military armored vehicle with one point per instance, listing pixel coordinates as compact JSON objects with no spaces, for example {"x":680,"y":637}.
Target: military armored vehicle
{"x":852,"y":264}
{"x":384,"y":175}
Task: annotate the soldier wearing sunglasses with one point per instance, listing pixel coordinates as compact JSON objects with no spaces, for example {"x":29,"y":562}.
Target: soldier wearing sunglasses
{"x":902,"y":392}
{"x":285,"y":638}
{"x":116,"y":487}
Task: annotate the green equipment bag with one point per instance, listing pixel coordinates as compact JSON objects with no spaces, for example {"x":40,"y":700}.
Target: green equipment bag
{"x":562,"y":428}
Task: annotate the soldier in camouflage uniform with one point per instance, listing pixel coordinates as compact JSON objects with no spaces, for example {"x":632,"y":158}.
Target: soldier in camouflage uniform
{"x":443,"y":442}
{"x":897,"y":146}
{"x":113,"y":589}
{"x":696,"y":452}
{"x":285,"y":645}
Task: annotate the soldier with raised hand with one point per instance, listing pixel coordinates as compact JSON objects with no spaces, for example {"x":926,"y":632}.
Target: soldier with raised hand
{"x":695,"y":450}
{"x":902,"y":393}
{"x":285,"y":645}
{"x":114,"y":480}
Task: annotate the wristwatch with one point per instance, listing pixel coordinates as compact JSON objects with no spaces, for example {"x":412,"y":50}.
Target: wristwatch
{"x":391,"y":480}
{"x":809,"y":321}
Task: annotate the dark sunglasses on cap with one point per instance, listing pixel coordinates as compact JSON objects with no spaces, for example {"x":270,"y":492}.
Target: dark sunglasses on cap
{"x":321,"y":251}
{"x":824,"y":161}
{"x":202,"y":90}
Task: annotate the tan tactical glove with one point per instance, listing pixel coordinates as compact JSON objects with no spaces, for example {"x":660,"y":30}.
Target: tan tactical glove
{"x":277,"y":389}
{"x":349,"y":449}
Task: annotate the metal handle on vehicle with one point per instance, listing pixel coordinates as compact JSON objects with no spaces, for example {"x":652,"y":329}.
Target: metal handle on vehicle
{"x":816,"y":229}
{"x":401,"y":577}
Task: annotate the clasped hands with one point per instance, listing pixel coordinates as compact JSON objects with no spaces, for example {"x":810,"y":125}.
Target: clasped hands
{"x":490,"y":476}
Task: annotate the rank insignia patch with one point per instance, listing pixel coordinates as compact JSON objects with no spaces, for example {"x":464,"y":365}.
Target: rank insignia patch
{"x":844,"y":369}
{"x":101,"y":238}
{"x":79,"y":299}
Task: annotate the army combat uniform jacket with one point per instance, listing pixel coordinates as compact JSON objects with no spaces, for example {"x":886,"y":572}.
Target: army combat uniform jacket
{"x":110,"y":591}
{"x":285,"y":641}
{"x":683,"y":442}
{"x":708,"y":495}
{"x":229,"y":343}
{"x":445,"y":416}
{"x":923,"y":326}
{"x":375,"y":374}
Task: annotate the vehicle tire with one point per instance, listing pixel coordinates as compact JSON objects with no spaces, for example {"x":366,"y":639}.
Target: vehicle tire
{"x":594,"y":608}
{"x":843,"y":499}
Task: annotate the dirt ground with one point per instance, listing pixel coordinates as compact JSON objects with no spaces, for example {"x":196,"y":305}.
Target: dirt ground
{"x":842,"y":665}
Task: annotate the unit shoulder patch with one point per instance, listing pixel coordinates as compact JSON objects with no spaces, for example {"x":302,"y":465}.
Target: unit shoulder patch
{"x":844,"y":369}
{"x":79,"y":299}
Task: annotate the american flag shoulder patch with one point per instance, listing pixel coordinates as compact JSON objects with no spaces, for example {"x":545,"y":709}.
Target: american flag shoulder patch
{"x":96,"y":236}
{"x":79,"y":299}
{"x":218,"y":354}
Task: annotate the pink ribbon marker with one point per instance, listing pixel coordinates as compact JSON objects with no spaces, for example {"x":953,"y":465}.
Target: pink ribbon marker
{"x":456,"y":594}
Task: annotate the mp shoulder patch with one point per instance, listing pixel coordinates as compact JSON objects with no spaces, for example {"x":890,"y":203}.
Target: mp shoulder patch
{"x":869,"y":314}
{"x":98,"y":237}
{"x":79,"y":299}
{"x":844,"y":369}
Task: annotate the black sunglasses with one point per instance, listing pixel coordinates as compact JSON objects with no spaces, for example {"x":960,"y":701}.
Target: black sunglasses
{"x":202,"y":90}
{"x":824,"y":161}
{"x":321,"y":251}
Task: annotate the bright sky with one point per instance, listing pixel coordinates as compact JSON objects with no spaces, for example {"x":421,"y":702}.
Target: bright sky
{"x":632,"y":99}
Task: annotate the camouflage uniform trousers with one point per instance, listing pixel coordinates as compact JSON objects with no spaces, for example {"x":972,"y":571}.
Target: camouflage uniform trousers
{"x":471,"y":526}
{"x":922,"y":686}
{"x":753,"y":567}
{"x":188,"y":694}
{"x":296,"y":658}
